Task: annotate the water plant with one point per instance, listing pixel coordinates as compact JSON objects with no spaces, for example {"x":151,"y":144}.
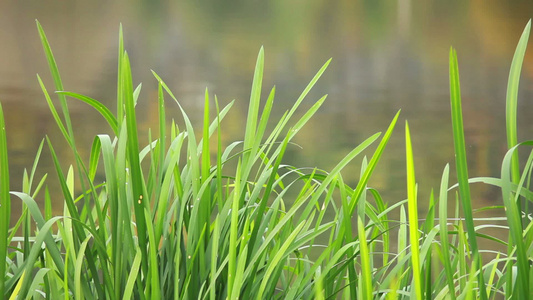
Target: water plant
{"x":185,"y":217}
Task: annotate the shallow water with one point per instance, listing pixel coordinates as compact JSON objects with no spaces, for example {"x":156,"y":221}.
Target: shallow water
{"x":386,"y":57}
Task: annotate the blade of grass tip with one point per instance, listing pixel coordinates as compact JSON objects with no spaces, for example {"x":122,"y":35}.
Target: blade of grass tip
{"x":53,"y":110}
{"x":78,"y":267}
{"x":306,"y":91}
{"x":412,"y":207}
{"x":334,"y":172}
{"x":512,"y":98}
{"x":286,"y":117}
{"x":263,"y":121}
{"x":94,"y":158}
{"x":120,"y":90}
{"x":443,"y":225}
{"x":67,"y":132}
{"x":206,"y":162}
{"x":63,"y":103}
{"x":362,"y":184}
{"x":255,"y":98}
{"x":372,"y":164}
{"x":220,"y":191}
{"x":133,"y":155}
{"x":462,"y":167}
{"x":361,"y":205}
{"x":162,"y":125}
{"x":5,"y":202}
{"x":270,"y":141}
{"x":35,"y":162}
{"x":99,"y":107}
{"x":55,"y":75}
{"x":492,"y":273}
{"x":136,"y":93}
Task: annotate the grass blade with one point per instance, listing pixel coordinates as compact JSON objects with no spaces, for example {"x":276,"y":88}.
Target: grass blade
{"x":412,"y":208}
{"x":137,"y":182}
{"x":5,"y":202}
{"x":461,"y":164}
{"x":366,"y":273}
{"x":512,"y":98}
{"x":55,"y":75}
{"x":132,"y":276}
{"x":99,"y":107}
{"x":255,"y":98}
{"x":443,"y":224}
{"x":120,"y":90}
{"x":514,"y":219}
{"x":372,"y":164}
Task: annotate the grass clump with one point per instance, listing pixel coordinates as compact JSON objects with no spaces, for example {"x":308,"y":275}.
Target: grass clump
{"x":170,"y":221}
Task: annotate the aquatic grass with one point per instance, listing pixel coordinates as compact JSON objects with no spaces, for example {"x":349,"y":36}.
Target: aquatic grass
{"x":180,"y":215}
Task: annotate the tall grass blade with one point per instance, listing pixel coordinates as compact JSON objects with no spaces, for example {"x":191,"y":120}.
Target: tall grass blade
{"x":5,"y":203}
{"x":512,"y":99}
{"x":514,"y":219}
{"x":443,"y":225}
{"x":57,"y":78}
{"x":132,"y":276}
{"x":372,"y":164}
{"x":53,"y":110}
{"x":412,"y":207}
{"x":120,"y":90}
{"x":461,"y":164}
{"x":232,"y":256}
{"x":137,"y":182}
{"x":513,"y":207}
{"x":255,"y":98}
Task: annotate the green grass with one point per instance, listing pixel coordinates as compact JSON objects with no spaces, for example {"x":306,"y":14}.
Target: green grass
{"x":183,"y":216}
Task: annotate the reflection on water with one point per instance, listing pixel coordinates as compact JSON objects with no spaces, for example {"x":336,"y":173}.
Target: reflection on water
{"x":386,"y":56}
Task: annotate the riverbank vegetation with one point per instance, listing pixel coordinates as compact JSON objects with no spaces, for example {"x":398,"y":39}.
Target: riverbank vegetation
{"x":183,"y":216}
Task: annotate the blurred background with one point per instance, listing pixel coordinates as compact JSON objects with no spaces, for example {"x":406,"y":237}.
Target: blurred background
{"x":387,"y":55}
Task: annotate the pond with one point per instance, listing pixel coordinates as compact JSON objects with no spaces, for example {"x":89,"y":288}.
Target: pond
{"x":387,"y":55}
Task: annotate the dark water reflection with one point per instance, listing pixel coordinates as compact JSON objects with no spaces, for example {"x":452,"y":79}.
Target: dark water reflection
{"x":386,"y":56}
